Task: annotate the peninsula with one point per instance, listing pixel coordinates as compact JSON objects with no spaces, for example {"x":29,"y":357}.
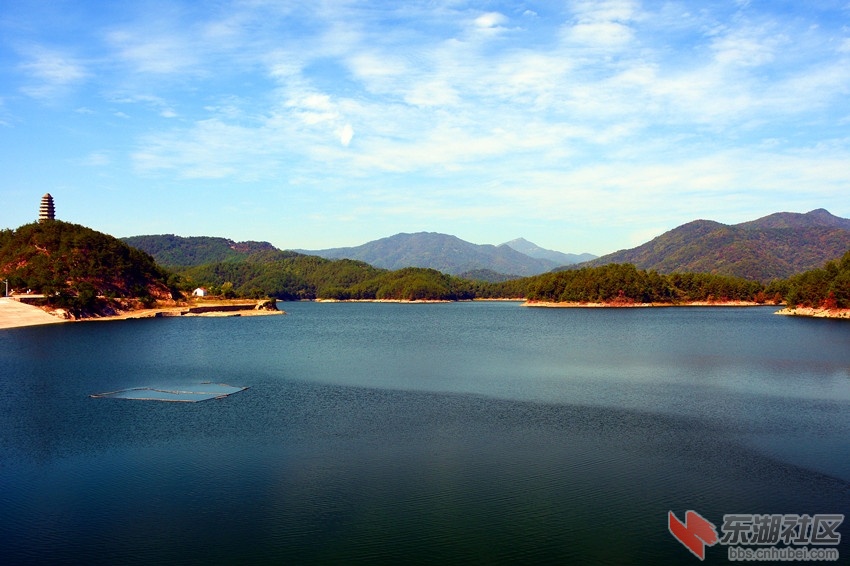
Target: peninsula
{"x":15,"y":313}
{"x":816,"y":312}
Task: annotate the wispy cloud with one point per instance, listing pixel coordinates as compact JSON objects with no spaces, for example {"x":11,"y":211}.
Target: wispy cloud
{"x":96,"y":159}
{"x":444,"y":105}
{"x":50,"y":72}
{"x":544,"y":111}
{"x":161,"y":106}
{"x":158,"y":55}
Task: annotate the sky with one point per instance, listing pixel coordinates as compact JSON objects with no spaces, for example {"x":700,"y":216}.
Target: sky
{"x":583,"y":126}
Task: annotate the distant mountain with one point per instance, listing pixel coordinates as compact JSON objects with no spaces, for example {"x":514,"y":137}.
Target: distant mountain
{"x":818,"y":217}
{"x":442,"y":252}
{"x":258,"y":269}
{"x":533,"y":250}
{"x":775,"y":246}
{"x":177,"y":251}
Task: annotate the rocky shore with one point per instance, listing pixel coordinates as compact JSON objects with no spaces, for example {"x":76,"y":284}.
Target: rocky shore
{"x":815,"y":312}
{"x":206,"y":308}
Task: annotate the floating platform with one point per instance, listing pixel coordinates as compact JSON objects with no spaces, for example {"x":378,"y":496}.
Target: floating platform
{"x":179,"y":393}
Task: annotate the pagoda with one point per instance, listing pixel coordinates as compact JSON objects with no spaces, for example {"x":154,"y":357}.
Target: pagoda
{"x":46,"y":211}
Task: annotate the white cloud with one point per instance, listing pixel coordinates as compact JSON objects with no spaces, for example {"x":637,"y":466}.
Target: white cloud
{"x":162,"y":107}
{"x":96,"y":159}
{"x":346,"y":133}
{"x":379,"y":72}
{"x":748,"y":47}
{"x":601,"y":34}
{"x":51,"y":72}
{"x":595,"y":102}
{"x":602,"y":24}
{"x":212,"y":150}
{"x":313,"y":108}
{"x":148,"y":52}
{"x":490,"y":20}
{"x":436,"y":93}
{"x":605,"y":10}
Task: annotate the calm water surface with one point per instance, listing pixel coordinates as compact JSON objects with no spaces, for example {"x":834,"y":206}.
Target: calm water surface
{"x":384,"y":433}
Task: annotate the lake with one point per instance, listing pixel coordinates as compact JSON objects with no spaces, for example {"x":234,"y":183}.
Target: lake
{"x":418,"y":433}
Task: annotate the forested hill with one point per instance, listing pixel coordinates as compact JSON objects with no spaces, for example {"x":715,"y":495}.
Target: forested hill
{"x":442,"y":252}
{"x":82,"y":268}
{"x":76,"y":263}
{"x":774,"y":247}
{"x":258,"y":269}
{"x":824,"y":287}
{"x":177,"y":251}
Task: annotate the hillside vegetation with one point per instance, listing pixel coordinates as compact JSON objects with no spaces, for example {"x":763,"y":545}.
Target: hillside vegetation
{"x":73,"y":265}
{"x":293,"y":276}
{"x":80,"y":268}
{"x":626,"y":284}
{"x":774,"y":247}
{"x":827,"y":287}
{"x":177,"y":251}
{"x":258,"y":269}
{"x":290,"y":275}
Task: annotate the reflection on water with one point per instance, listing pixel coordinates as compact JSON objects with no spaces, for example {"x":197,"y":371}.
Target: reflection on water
{"x":381,"y":433}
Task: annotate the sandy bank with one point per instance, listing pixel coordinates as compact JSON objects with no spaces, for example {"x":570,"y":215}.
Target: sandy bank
{"x":815,"y":313}
{"x":14,"y":314}
{"x":207,"y":309}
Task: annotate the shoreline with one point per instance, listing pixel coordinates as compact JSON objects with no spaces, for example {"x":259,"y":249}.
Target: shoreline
{"x":625,"y":305}
{"x":811,"y":312}
{"x":399,"y":301}
{"x":220,"y":308}
{"x":17,"y":314}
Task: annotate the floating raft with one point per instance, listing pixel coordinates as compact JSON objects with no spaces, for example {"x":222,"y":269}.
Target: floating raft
{"x":180,"y":393}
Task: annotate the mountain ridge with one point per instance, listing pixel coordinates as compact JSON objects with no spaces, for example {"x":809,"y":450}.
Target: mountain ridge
{"x":443,"y":252}
{"x":771,"y":247}
{"x":775,"y":246}
{"x":533,"y":250}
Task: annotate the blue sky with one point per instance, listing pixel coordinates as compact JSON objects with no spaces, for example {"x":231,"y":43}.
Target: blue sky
{"x":583,"y":126}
